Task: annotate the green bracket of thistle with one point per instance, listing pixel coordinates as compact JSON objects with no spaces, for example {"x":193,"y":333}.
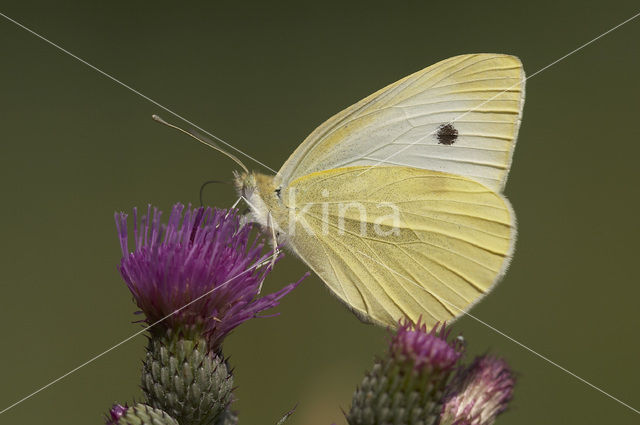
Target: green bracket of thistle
{"x":181,"y":376}
{"x":393,"y":393}
{"x":141,"y":414}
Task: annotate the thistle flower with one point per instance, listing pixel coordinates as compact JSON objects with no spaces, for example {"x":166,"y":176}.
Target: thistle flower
{"x":407,"y":385}
{"x":424,"y":350}
{"x":202,"y":271}
{"x":479,"y":393}
{"x":115,"y":413}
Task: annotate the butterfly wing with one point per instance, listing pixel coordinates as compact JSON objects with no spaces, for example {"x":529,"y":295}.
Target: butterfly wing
{"x":459,"y":116}
{"x":402,"y":241}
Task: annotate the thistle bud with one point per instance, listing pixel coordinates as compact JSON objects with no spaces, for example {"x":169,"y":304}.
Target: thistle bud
{"x":406,"y":386}
{"x":479,"y":393}
{"x":139,"y":414}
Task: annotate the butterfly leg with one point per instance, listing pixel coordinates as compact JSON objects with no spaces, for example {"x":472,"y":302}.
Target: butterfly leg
{"x":276,"y":251}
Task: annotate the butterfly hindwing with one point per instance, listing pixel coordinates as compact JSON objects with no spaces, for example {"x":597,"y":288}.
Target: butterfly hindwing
{"x":441,"y":249}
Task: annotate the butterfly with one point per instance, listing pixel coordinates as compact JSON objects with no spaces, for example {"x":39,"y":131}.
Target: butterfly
{"x":396,"y":202}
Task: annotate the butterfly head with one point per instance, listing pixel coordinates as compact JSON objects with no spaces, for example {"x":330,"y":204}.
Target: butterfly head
{"x":245,"y":183}
{"x":247,"y":188}
{"x":260,"y":193}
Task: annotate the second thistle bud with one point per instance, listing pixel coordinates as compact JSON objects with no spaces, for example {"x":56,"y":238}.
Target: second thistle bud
{"x":138,"y":414}
{"x":479,"y":393}
{"x":406,"y":386}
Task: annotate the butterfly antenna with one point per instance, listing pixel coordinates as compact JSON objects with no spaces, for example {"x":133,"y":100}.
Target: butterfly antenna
{"x":203,"y":140}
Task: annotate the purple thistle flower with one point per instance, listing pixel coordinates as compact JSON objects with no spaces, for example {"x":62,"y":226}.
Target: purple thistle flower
{"x":201,"y":271}
{"x":115,"y":413}
{"x":423,"y":349}
{"x":479,"y":393}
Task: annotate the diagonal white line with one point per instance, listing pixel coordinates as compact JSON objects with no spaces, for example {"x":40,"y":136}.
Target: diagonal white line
{"x":96,"y":357}
{"x":239,"y":151}
{"x":531,"y":350}
{"x":585,"y":45}
{"x":109,"y":76}
{"x":504,"y":91}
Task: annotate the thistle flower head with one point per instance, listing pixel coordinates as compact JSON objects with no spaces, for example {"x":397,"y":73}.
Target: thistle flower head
{"x":406,"y":385}
{"x":115,"y":413}
{"x":412,"y":343}
{"x":479,"y":393}
{"x":200,"y":270}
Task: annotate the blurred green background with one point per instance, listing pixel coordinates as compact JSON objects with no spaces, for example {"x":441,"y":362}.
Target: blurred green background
{"x":76,"y":147}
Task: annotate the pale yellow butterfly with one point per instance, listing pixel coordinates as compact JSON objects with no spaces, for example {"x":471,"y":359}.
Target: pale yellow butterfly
{"x":395,"y":202}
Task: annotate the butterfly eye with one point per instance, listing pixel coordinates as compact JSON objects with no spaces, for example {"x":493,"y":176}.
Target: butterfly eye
{"x":277,"y":192}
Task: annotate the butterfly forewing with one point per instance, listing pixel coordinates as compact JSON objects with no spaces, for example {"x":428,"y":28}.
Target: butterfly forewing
{"x":459,"y":116}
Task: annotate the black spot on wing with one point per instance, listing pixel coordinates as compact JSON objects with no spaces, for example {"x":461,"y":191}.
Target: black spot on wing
{"x":447,"y":134}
